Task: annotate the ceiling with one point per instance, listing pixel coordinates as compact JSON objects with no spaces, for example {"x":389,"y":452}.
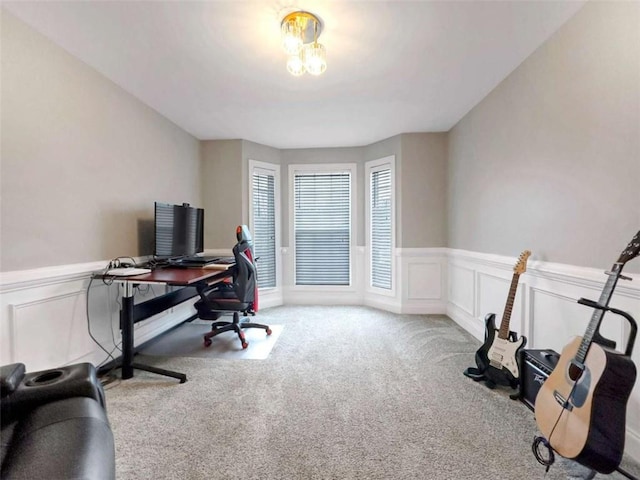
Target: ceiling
{"x":217,"y":68}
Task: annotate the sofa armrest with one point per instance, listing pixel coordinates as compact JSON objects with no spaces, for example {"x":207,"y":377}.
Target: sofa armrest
{"x":69,"y":438}
{"x":10,"y":377}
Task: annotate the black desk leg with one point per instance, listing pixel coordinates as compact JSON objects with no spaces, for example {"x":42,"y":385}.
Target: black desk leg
{"x":126,"y":324}
{"x":160,"y":371}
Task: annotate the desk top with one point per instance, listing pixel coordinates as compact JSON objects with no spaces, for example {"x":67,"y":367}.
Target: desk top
{"x":176,"y":276}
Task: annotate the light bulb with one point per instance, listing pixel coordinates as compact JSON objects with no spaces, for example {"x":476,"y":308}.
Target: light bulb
{"x":315,"y":58}
{"x":295,"y":65}
{"x":291,"y":37}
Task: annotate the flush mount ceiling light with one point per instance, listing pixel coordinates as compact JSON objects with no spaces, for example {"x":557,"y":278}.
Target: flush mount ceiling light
{"x":300,"y":32}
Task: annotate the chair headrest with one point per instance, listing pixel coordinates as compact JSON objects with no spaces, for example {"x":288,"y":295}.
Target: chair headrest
{"x":243,"y":234}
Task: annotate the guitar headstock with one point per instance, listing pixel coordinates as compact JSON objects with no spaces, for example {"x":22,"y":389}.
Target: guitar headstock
{"x":632,"y":250}
{"x":521,"y":266}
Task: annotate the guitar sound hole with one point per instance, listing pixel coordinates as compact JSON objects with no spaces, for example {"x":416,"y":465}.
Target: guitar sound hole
{"x":575,"y":371}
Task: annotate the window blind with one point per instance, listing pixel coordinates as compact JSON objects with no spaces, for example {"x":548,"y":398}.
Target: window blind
{"x":264,"y":228}
{"x":322,"y":228}
{"x":381,"y":210}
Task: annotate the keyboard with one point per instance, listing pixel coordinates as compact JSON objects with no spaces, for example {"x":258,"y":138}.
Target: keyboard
{"x":127,"y":272}
{"x":197,"y":260}
{"x":226,"y":260}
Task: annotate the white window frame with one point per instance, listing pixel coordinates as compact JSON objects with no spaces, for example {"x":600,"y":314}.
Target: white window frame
{"x":265,"y":168}
{"x":350,"y":168}
{"x":370,"y":167}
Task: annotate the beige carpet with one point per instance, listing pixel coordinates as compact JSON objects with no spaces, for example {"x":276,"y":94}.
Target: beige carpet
{"x":346,"y":393}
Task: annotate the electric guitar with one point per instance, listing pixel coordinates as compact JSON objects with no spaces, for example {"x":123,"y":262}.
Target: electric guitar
{"x":580,"y":409}
{"x":498,"y":358}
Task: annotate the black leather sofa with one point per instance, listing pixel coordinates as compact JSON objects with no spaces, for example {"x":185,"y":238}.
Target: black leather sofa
{"x":54,"y":424}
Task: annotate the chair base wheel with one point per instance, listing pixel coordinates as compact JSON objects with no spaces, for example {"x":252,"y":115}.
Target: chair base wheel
{"x":269,"y":331}
{"x":207,"y":342}
{"x":244,"y":345}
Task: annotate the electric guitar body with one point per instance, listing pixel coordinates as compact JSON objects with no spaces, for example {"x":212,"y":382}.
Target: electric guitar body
{"x":499,"y":357}
{"x":585,"y":416}
{"x":581,"y":408}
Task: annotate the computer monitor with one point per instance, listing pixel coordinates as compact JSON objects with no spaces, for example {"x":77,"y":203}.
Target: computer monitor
{"x":179,"y":230}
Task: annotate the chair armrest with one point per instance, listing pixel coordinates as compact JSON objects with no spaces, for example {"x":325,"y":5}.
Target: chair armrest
{"x":10,"y":377}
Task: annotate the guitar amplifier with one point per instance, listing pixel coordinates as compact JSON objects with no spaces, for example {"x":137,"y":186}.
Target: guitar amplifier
{"x":535,"y":368}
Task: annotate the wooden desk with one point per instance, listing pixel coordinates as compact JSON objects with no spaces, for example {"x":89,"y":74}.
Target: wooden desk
{"x":182,"y":277}
{"x":130,"y":313}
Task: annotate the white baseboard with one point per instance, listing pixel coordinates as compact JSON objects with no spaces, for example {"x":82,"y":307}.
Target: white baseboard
{"x":269,"y":298}
{"x":472,"y":325}
{"x":388,"y":304}
{"x":425,"y":308}
{"x":632,"y":444}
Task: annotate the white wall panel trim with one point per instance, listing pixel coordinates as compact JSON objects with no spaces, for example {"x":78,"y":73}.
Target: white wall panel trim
{"x":467,"y":305}
{"x":632,"y":445}
{"x":422,"y":252}
{"x":50,"y":329}
{"x":26,"y":279}
{"x":471,"y":324}
{"x":570,"y":274}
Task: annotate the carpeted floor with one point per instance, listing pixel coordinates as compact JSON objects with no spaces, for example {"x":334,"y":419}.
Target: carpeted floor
{"x":346,"y":393}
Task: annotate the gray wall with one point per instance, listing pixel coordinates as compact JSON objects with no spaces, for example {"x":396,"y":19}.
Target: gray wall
{"x":422,"y":183}
{"x":82,"y":160}
{"x":550,"y":160}
{"x":223,"y":185}
{"x":262,"y":153}
{"x":420,"y":178}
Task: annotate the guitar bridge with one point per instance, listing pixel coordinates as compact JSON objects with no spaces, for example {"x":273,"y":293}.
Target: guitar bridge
{"x":564,"y":403}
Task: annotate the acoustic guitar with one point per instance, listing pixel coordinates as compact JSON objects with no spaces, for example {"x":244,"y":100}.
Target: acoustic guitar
{"x":581,"y":407}
{"x":498,"y":358}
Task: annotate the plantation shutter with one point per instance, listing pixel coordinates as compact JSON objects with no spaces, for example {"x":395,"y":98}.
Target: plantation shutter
{"x":264,"y":228}
{"x":322,"y":226}
{"x":381,"y":228}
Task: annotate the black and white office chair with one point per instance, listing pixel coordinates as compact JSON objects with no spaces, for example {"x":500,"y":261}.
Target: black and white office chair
{"x":235,"y":297}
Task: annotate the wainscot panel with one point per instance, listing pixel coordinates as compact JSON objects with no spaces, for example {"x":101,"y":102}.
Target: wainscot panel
{"x":547,"y":304}
{"x":47,"y":322}
{"x":423,"y":280}
{"x":491,"y":298}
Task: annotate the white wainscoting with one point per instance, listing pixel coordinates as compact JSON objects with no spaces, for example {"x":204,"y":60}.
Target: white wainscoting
{"x":45,"y":316}
{"x":418,"y":283}
{"x":422,"y":280}
{"x":43,"y":319}
{"x":546,"y":309}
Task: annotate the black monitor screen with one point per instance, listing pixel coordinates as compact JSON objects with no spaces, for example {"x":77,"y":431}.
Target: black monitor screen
{"x":179,"y":230}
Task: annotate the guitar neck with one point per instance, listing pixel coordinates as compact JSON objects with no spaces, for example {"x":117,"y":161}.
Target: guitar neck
{"x":506,"y":316}
{"x":596,"y":318}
